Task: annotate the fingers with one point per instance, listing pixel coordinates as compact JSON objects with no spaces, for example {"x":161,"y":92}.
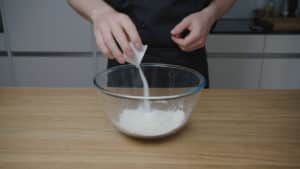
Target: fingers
{"x":191,"y":47}
{"x":101,"y":45}
{"x":198,"y":44}
{"x":194,"y":40}
{"x":111,"y":43}
{"x":131,"y":31}
{"x":113,"y":34}
{"x":183,"y":25}
{"x":188,"y":40}
{"x":194,"y":47}
{"x":185,"y":42}
{"x":121,"y":38}
{"x":198,"y":26}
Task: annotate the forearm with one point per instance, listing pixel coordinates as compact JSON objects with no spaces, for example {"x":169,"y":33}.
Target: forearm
{"x":89,"y":8}
{"x":217,"y":8}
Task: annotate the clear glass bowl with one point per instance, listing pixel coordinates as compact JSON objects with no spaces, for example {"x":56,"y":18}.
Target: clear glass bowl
{"x":174,"y":92}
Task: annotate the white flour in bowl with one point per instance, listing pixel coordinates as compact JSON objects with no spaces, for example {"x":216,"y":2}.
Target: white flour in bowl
{"x":153,"y":123}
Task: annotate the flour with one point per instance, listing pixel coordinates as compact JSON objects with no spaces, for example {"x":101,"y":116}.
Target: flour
{"x":145,"y":120}
{"x":146,"y":89}
{"x":153,"y":123}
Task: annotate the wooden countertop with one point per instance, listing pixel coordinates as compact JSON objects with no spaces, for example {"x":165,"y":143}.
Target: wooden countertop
{"x":65,"y":128}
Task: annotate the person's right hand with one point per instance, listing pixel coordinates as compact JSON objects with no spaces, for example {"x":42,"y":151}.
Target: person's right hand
{"x":111,"y":29}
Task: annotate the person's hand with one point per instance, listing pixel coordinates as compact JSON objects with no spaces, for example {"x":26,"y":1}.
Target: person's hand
{"x":113,"y":32}
{"x":198,"y":24}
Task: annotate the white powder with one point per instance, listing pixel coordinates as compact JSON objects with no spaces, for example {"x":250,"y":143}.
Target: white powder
{"x":146,"y":88}
{"x":153,"y":123}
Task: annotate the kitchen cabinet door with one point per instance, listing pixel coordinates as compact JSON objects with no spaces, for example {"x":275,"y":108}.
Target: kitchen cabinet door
{"x":281,"y":73}
{"x":2,"y":43}
{"x":235,"y":43}
{"x":226,"y":72}
{"x":47,"y":25}
{"x":282,"y":44}
{"x":60,"y":71}
{"x":5,"y":71}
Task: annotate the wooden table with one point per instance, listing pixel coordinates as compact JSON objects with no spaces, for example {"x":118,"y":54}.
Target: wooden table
{"x":65,"y":128}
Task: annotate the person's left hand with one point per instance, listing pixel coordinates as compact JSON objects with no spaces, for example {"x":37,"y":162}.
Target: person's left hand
{"x":198,"y":24}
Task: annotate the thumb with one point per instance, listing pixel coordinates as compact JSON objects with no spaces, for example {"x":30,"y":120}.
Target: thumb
{"x":179,"y":28}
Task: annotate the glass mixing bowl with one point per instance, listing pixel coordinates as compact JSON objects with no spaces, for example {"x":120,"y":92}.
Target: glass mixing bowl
{"x":174,"y":92}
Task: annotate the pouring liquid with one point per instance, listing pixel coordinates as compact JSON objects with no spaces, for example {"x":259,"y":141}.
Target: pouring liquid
{"x":146,"y":89}
{"x":136,"y":60}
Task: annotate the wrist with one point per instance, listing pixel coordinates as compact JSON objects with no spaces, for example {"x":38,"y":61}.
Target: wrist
{"x":211,"y":13}
{"x":99,"y":11}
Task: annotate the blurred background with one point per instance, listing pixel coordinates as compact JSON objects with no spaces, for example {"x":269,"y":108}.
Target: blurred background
{"x":45,"y":43}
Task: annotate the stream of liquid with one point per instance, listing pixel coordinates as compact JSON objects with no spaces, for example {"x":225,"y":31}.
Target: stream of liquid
{"x":146,"y":89}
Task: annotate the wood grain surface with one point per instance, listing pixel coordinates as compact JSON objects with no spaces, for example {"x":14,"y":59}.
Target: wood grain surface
{"x":230,"y":129}
{"x":290,"y":24}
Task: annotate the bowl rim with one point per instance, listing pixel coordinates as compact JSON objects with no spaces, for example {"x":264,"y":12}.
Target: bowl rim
{"x":193,"y":90}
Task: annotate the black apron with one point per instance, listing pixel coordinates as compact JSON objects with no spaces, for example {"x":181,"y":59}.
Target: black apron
{"x":154,"y":21}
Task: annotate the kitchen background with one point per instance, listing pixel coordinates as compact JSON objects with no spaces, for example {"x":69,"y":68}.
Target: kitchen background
{"x":45,"y":43}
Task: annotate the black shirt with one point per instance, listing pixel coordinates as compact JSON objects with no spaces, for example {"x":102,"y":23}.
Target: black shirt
{"x":154,"y":21}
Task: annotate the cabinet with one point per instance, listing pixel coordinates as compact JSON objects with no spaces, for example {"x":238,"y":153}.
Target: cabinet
{"x":5,"y":61}
{"x":282,"y":63}
{"x":281,"y":73}
{"x":282,"y":44}
{"x":5,"y":71}
{"x":235,"y":60}
{"x":50,"y":25}
{"x":53,"y":29}
{"x":235,"y":43}
{"x":77,"y":71}
{"x":260,"y":61}
{"x":2,"y":43}
{"x":226,"y":72}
